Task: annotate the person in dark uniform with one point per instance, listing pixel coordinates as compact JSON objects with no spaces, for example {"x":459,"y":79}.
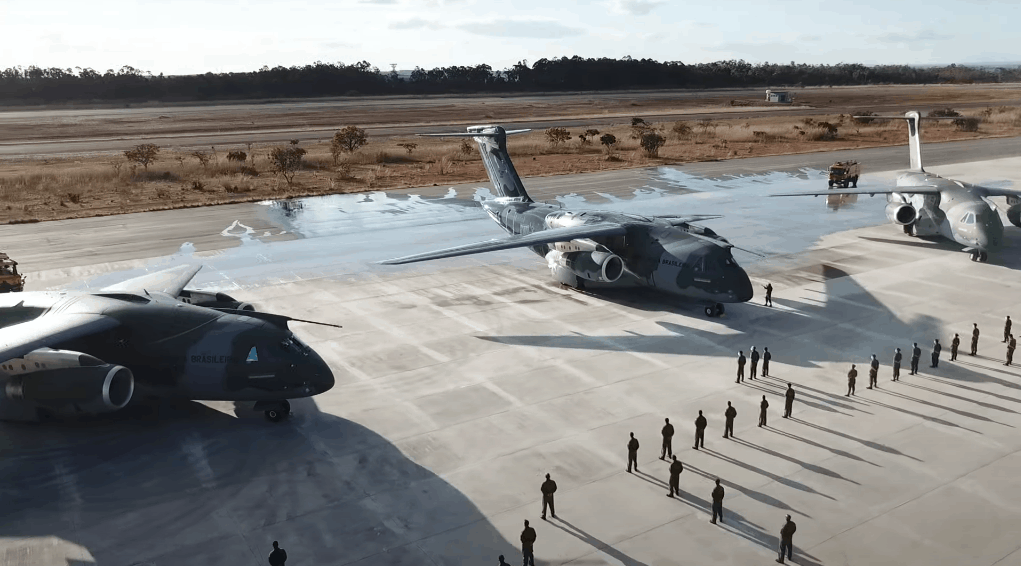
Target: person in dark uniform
{"x":936,"y":348}
{"x":974,"y":339}
{"x":762,"y":411}
{"x":788,"y":404}
{"x":754,"y":355}
{"x":916,"y":354}
{"x":717,"y":502}
{"x":896,"y":365}
{"x":728,"y":415}
{"x":873,"y":373}
{"x":740,"y":367}
{"x":769,"y":294}
{"x":676,"y":467}
{"x":766,"y":356}
{"x":632,"y":453}
{"x":502,"y":562}
{"x":851,"y":376}
{"x":527,"y":540}
{"x":787,"y":539}
{"x":954,"y":344}
{"x":548,"y":488}
{"x":668,"y":440}
{"x":1006,"y":330}
{"x":700,"y":424}
{"x":1011,"y":344}
{"x":278,"y":557}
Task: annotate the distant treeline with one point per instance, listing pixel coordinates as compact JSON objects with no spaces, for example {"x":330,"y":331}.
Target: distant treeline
{"x":34,"y":85}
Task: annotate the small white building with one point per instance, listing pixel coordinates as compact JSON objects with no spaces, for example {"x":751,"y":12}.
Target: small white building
{"x":779,"y":96}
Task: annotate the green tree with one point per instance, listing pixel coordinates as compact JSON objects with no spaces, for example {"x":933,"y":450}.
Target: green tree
{"x":557,"y":136}
{"x":610,"y":141}
{"x":651,"y":142}
{"x":287,"y":161}
{"x":143,"y":154}
{"x":347,"y":140}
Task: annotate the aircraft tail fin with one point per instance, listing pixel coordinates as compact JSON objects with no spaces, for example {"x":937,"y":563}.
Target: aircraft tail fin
{"x":492,"y":142}
{"x":913,"y":119}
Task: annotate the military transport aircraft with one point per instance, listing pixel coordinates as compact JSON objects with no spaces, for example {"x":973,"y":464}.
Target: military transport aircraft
{"x":925,"y":204}
{"x":84,"y":353}
{"x":667,"y":253}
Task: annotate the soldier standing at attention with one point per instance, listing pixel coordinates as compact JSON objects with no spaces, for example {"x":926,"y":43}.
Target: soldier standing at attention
{"x":762,"y":411}
{"x":755,"y":362}
{"x":769,"y":294}
{"x":700,"y":424}
{"x":527,"y":540}
{"x":974,"y":339}
{"x":668,"y":440}
{"x":873,"y":373}
{"x":728,"y":415}
{"x":676,"y":467}
{"x":717,"y":502}
{"x":789,"y":402}
{"x":632,"y":453}
{"x":740,"y":366}
{"x":549,"y":487}
{"x":936,"y":348}
{"x":953,"y":347}
{"x":766,"y":356}
{"x":896,"y":365}
{"x":851,"y":375}
{"x":1006,"y":330}
{"x":916,"y":353}
{"x":1011,"y":343}
{"x":278,"y":557}
{"x":787,"y":539}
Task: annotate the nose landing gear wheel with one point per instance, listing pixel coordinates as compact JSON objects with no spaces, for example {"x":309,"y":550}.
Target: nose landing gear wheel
{"x":710,"y":311}
{"x":278,"y":413}
{"x":982,"y":257}
{"x":719,"y":309}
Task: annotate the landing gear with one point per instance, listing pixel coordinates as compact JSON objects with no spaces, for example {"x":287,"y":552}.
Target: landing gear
{"x":275,"y":411}
{"x":980,"y":257}
{"x":854,"y":181}
{"x":714,"y":310}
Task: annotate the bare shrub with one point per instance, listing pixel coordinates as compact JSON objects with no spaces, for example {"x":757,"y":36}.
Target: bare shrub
{"x":198,"y":186}
{"x":651,"y":142}
{"x":967,"y":124}
{"x":202,"y":157}
{"x":682,"y":129}
{"x":408,"y":146}
{"x":287,"y":161}
{"x":143,"y":154}
{"x":465,"y":149}
{"x":237,"y":156}
{"x":75,"y":198}
{"x":557,"y":136}
{"x":162,"y":194}
{"x":863,"y":119}
{"x":705,"y":125}
{"x":827,"y":132}
{"x":943,"y":113}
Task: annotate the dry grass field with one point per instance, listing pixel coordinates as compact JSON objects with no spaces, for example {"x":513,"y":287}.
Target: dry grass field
{"x":36,"y":190}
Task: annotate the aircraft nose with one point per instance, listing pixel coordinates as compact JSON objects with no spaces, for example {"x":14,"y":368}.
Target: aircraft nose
{"x":743,"y":285}
{"x":322,"y":376}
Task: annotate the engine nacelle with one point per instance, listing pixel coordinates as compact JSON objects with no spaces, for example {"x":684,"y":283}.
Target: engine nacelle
{"x":90,"y":390}
{"x":901,"y":213}
{"x":213,"y":300}
{"x":1014,"y":214}
{"x":602,"y":267}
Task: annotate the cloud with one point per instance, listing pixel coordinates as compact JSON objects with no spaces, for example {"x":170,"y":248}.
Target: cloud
{"x":547,"y":29}
{"x":635,"y":7}
{"x":917,"y":37}
{"x":378,"y":2}
{"x":415,"y":23}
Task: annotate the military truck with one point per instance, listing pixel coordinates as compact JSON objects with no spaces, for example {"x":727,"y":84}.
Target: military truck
{"x":10,"y":281}
{"x":844,"y":173}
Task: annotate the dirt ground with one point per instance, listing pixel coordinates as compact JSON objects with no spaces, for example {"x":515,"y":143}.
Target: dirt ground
{"x":36,"y":190}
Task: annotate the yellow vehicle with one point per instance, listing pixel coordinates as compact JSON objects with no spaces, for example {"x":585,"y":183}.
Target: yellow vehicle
{"x":844,"y":173}
{"x":10,"y":281}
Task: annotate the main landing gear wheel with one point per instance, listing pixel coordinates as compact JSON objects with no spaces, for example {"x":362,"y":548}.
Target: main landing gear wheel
{"x":278,"y":412}
{"x":714,"y":310}
{"x":980,"y":257}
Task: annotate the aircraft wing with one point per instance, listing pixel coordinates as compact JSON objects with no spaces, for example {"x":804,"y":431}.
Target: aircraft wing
{"x":47,"y":331}
{"x":916,"y":190}
{"x":533,"y":239}
{"x":679,"y":220}
{"x":170,"y":281}
{"x":998,"y":191}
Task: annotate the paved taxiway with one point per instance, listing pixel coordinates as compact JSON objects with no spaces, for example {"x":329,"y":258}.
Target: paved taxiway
{"x":461,"y":382}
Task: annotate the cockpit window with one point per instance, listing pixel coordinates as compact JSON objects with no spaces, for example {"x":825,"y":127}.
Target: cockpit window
{"x":699,"y":265}
{"x":968,"y":218}
{"x":253,"y":356}
{"x":292,"y":344}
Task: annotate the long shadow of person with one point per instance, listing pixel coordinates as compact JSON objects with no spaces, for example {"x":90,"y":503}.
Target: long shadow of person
{"x":960,"y":412}
{"x":571,"y":529}
{"x":822,"y":446}
{"x":810,"y":467}
{"x":999,"y":396}
{"x":779,"y":479}
{"x":862,"y":441}
{"x":751,"y":493}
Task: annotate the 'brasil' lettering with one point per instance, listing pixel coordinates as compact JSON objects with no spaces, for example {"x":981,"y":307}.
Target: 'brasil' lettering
{"x":201,"y":359}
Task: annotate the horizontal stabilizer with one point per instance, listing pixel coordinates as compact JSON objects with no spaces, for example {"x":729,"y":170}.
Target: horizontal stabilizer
{"x":275,"y":319}
{"x":680,"y":220}
{"x":518,"y":241}
{"x":170,"y":281}
{"x":473,"y":135}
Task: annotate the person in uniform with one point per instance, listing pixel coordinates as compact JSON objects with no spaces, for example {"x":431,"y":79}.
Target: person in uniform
{"x":769,"y":294}
{"x":787,"y":539}
{"x":729,"y":415}
{"x":700,"y":424}
{"x":936,"y":348}
{"x":1006,"y":330}
{"x":740,"y":366}
{"x":754,"y":355}
{"x":527,"y":540}
{"x":762,"y":411}
{"x":788,"y":401}
{"x":632,"y":453}
{"x":916,"y":354}
{"x":974,"y":339}
{"x":278,"y":557}
{"x":954,"y":344}
{"x":873,"y":373}
{"x":766,"y":356}
{"x":502,"y":562}
{"x":548,"y":488}
{"x":851,"y":375}
{"x":896,"y":365}
{"x":668,"y":440}
{"x":676,"y":467}
{"x":1011,"y":343}
{"x":717,"y":502}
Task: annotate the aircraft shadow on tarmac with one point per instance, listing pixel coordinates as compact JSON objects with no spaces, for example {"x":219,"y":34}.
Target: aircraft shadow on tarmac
{"x":182,"y":483}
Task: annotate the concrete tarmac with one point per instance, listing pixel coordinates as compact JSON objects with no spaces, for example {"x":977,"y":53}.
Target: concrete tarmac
{"x":460,"y":383}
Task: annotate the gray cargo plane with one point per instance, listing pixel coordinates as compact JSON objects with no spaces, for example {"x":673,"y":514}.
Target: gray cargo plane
{"x":603,"y":249}
{"x":925,"y":204}
{"x":69,"y":353}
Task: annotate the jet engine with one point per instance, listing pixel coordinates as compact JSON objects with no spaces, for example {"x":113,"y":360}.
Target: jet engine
{"x":599,"y":266}
{"x":1014,"y":210}
{"x":213,"y":300}
{"x":901,"y":213}
{"x":68,"y":382}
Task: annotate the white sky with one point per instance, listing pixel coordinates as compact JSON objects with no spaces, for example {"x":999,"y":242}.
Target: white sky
{"x":197,"y":36}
